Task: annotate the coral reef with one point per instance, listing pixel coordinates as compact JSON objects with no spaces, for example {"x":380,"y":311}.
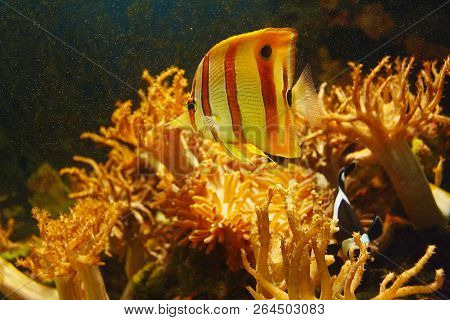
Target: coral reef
{"x":166,"y":203}
{"x":294,"y":264}
{"x":140,"y":147}
{"x":381,"y":114}
{"x":69,"y":247}
{"x":209,"y":195}
{"x":215,"y":205}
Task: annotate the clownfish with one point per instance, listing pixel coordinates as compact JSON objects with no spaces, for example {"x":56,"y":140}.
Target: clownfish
{"x":348,"y":222}
{"x":242,"y":95}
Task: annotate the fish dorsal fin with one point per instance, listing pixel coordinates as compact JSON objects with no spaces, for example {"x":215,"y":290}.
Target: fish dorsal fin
{"x":306,"y":100}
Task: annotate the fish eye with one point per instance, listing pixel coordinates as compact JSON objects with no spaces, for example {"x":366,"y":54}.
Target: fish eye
{"x":289,"y":97}
{"x":191,"y":106}
{"x":266,"y":52}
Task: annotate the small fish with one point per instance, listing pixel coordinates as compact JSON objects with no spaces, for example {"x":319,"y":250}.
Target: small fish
{"x":348,"y":222}
{"x":242,"y":95}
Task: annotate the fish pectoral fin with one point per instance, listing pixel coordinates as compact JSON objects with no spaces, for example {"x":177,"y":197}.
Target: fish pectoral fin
{"x":211,"y":123}
{"x":306,"y":100}
{"x":182,"y":122}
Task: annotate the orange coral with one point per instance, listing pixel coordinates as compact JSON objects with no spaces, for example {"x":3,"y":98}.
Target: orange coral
{"x":142,"y":151}
{"x":69,"y":247}
{"x":382,"y":113}
{"x":214,"y":205}
{"x":5,"y":243}
{"x":294,"y":264}
{"x":209,"y":195}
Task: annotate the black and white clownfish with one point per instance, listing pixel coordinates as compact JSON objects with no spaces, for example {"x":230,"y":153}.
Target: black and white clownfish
{"x":348,"y":222}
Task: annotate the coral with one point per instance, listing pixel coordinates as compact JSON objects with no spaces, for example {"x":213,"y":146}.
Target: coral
{"x":13,"y":283}
{"x":209,"y":196}
{"x":159,"y":187}
{"x":294,"y":265}
{"x":5,"y":243}
{"x":215,"y":203}
{"x":381,"y":114}
{"x":137,"y":139}
{"x":69,"y":247}
{"x":142,"y":152}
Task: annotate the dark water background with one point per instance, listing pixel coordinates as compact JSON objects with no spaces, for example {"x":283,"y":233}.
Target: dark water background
{"x":50,"y":94}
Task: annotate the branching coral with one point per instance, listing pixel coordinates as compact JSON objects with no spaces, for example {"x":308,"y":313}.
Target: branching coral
{"x":137,"y":139}
{"x":69,"y":248}
{"x":171,"y":185}
{"x":13,"y":283}
{"x":382,"y":113}
{"x":142,"y":152}
{"x":301,"y":252}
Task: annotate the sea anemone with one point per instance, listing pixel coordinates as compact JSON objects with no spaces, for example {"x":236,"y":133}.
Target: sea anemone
{"x":215,"y":203}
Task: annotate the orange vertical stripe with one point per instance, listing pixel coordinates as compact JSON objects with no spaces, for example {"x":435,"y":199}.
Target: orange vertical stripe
{"x":205,"y":86}
{"x":231,"y":89}
{"x":266,"y":74}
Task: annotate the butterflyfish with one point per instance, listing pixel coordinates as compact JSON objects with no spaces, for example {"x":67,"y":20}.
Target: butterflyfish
{"x":242,"y":95}
{"x":348,"y":222}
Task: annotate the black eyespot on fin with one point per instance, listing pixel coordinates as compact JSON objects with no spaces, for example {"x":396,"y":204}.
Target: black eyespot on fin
{"x":266,"y":52}
{"x":191,"y":105}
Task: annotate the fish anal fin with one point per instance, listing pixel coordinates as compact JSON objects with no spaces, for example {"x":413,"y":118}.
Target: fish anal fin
{"x":306,"y":100}
{"x":252,"y":149}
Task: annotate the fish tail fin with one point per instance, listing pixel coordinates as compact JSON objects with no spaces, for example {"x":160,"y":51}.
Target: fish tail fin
{"x":182,"y":122}
{"x":306,"y":100}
